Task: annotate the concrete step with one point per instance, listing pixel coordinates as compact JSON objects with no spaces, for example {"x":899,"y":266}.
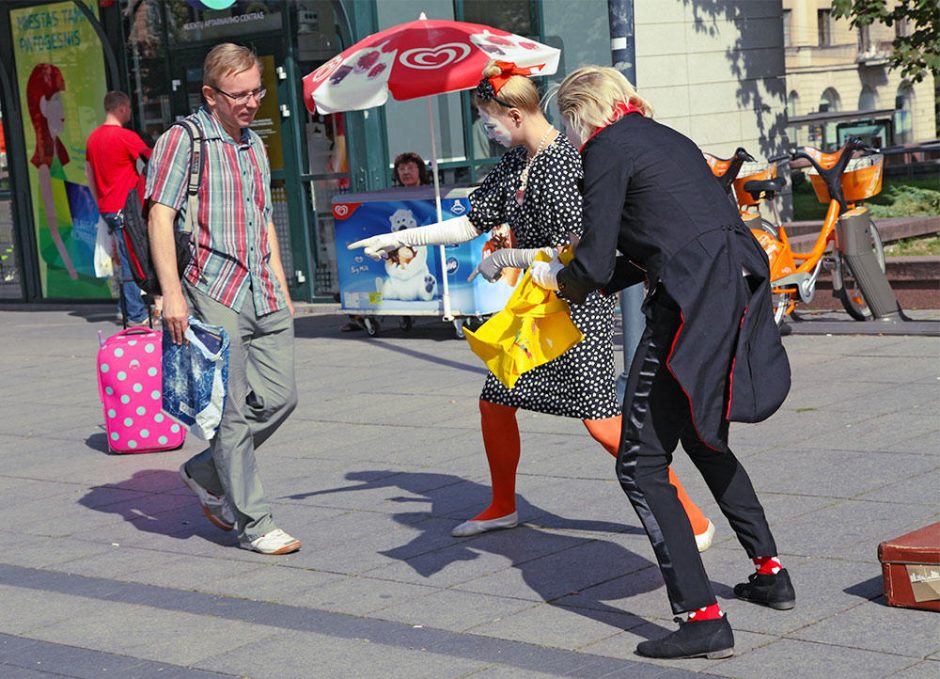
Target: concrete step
{"x":914,"y":280}
{"x":803,"y":234}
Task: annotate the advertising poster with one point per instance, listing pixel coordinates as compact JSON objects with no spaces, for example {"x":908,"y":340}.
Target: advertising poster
{"x":61,"y":78}
{"x":410,"y":282}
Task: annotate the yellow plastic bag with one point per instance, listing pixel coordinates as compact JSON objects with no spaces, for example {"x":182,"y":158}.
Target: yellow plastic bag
{"x":534,"y":328}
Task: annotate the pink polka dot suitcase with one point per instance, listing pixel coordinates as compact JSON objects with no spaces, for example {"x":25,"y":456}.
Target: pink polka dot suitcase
{"x":130,"y":385}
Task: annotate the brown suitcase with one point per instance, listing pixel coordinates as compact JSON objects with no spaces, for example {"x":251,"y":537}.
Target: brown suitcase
{"x":911,"y":568}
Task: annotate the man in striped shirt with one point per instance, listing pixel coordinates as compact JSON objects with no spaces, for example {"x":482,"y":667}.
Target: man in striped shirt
{"x":235,"y":280}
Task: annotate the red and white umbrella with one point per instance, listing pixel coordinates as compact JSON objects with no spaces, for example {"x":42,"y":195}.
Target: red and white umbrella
{"x":420,"y":59}
{"x":417,"y":59}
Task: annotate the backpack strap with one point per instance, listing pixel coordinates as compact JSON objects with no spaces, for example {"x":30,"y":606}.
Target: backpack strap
{"x":195,"y":168}
{"x":197,"y":145}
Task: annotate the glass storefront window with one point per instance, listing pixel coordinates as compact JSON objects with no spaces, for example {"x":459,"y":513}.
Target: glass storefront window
{"x":322,"y":191}
{"x":4,"y":169}
{"x":328,"y":162}
{"x":514,"y":16}
{"x":147,"y":59}
{"x":9,"y":269}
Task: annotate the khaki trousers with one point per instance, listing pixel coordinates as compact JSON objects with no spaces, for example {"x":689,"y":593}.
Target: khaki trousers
{"x":261,"y":393}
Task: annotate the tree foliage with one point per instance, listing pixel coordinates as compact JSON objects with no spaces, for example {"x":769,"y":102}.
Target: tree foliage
{"x":916,"y":53}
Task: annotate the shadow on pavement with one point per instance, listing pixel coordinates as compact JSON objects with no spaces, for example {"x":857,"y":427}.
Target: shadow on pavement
{"x":153,"y":510}
{"x":92,"y":312}
{"x":871,"y":589}
{"x":98,"y":442}
{"x":526,"y":547}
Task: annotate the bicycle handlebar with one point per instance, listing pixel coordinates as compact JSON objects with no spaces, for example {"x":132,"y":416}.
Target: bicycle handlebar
{"x":833,"y":174}
{"x":743,"y":155}
{"x":851,"y":145}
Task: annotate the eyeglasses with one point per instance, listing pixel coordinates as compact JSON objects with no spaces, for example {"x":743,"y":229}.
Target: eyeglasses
{"x":243,"y":97}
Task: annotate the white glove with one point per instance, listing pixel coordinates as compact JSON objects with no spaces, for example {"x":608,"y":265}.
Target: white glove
{"x":514,"y":258}
{"x":545,"y":274}
{"x":457,"y":230}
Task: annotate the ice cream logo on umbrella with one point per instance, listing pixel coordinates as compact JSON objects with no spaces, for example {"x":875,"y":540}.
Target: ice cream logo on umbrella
{"x":500,"y":45}
{"x":340,"y":73}
{"x":497,"y":39}
{"x":326,"y":70}
{"x":376,"y":71}
{"x":369,"y":61}
{"x":429,"y":58}
{"x":366,"y":61}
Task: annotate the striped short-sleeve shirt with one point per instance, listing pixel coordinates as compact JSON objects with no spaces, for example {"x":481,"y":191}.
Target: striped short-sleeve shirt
{"x":233,"y":257}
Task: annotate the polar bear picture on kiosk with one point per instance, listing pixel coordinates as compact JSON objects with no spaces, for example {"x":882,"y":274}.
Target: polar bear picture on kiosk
{"x":408,"y":275}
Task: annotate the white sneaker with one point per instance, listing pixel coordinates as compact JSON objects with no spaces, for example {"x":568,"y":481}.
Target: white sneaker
{"x":217,"y":509}
{"x":704,"y":540}
{"x":272,"y":542}
{"x":472,"y":527}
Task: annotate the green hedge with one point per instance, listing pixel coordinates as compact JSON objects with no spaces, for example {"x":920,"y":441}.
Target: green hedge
{"x":898,"y":198}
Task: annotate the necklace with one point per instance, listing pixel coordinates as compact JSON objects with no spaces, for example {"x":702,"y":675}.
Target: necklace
{"x":524,"y":176}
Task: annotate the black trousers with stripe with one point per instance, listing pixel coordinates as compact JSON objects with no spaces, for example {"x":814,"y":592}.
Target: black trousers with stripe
{"x":656,"y":417}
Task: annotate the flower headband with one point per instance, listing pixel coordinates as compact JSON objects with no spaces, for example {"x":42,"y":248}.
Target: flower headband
{"x":488,"y":88}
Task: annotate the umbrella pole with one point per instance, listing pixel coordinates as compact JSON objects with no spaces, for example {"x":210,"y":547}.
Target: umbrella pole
{"x":448,"y":316}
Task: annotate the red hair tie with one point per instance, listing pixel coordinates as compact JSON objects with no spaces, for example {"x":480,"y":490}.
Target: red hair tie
{"x":507,"y":69}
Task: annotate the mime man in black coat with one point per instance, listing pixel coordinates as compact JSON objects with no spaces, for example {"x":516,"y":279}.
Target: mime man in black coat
{"x":710,"y":352}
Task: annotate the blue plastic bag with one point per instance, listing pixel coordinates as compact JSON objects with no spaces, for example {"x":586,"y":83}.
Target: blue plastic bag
{"x":195,"y":375}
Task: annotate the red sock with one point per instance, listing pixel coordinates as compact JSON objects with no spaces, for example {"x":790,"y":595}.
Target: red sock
{"x":767,"y":565}
{"x":712,"y":612}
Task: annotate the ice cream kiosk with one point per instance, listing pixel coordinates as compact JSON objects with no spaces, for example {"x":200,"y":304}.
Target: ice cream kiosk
{"x":419,"y":281}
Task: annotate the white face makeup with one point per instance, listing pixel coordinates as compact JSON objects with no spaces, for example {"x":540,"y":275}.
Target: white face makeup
{"x":496,"y":129}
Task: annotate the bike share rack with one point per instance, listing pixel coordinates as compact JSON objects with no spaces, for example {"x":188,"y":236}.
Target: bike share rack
{"x":852,"y":240}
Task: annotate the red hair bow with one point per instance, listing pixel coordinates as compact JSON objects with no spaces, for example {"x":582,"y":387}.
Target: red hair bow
{"x":507,"y":70}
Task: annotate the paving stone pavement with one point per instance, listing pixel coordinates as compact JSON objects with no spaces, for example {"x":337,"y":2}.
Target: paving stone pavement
{"x":110,"y":569}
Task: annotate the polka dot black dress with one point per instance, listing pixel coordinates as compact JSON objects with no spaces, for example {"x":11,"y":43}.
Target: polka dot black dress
{"x":579,"y":383}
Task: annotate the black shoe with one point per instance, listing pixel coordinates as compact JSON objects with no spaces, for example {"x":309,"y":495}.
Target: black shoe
{"x":775,"y":591}
{"x":709,"y":638}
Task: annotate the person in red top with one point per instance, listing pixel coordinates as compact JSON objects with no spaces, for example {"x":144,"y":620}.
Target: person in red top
{"x":112,"y":153}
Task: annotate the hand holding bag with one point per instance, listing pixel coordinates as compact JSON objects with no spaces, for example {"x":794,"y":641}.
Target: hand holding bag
{"x":534,"y":328}
{"x":195,"y":377}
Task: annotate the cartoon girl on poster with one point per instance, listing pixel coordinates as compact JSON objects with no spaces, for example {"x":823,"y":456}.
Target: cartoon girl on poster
{"x":47,"y":113}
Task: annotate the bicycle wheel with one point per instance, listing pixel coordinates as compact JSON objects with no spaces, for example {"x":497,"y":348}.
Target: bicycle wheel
{"x":780,"y":300}
{"x":769,"y":228}
{"x":843,"y":278}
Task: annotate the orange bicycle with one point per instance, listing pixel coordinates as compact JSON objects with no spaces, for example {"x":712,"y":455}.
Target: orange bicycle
{"x":842,"y":180}
{"x":763,"y":185}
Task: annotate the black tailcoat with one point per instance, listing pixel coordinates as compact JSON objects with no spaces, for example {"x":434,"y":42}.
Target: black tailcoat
{"x":649,"y":194}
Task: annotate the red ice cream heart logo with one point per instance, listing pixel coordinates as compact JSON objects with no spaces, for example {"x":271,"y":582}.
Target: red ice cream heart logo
{"x":326,"y":70}
{"x":428,"y":58}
